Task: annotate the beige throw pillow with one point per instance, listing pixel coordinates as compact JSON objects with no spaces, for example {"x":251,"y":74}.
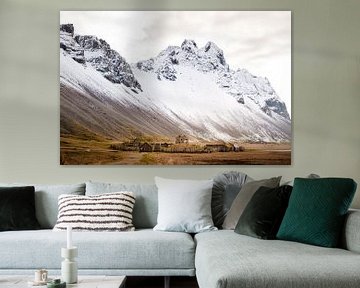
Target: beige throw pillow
{"x":243,"y":198}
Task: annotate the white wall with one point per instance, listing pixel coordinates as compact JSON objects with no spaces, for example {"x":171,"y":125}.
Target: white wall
{"x":326,"y":91}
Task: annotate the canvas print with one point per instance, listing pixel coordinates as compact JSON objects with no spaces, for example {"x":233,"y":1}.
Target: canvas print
{"x":175,"y":87}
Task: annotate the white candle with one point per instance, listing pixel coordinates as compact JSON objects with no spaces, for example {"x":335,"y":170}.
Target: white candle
{"x":69,"y":239}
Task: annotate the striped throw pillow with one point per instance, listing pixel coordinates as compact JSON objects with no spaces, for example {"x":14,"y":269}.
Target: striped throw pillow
{"x":105,"y":212}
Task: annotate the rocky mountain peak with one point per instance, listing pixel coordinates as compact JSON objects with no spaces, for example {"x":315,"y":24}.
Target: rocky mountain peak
{"x":170,"y":52}
{"x":189,"y":46}
{"x":88,"y":49}
{"x":92,"y":43}
{"x":213,"y":49}
{"x":67,"y":28}
{"x":69,"y":45}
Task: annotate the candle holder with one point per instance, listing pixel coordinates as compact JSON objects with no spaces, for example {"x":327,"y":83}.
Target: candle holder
{"x":69,"y":271}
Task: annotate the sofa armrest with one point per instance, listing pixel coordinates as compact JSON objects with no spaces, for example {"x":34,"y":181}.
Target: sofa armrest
{"x":351,"y":234}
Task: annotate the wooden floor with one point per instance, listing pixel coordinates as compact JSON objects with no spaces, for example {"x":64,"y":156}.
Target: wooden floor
{"x":158,"y":282}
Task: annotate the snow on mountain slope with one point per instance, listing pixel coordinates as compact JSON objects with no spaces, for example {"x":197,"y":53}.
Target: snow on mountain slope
{"x":90,"y":101}
{"x":203,"y":110}
{"x":184,"y":90}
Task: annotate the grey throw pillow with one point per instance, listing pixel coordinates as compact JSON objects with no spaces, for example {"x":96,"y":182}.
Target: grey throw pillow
{"x":184,"y":205}
{"x":226,"y":187}
{"x":242,"y":199}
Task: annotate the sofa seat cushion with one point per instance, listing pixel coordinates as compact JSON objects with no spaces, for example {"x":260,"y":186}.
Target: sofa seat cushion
{"x":226,"y":259}
{"x":142,"y":249}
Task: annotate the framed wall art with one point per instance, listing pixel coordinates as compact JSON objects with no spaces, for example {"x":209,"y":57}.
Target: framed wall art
{"x":175,"y":87}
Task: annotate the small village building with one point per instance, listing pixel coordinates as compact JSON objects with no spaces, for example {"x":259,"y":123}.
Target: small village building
{"x":157,"y":147}
{"x":217,"y":147}
{"x":145,"y":147}
{"x":165,"y":145}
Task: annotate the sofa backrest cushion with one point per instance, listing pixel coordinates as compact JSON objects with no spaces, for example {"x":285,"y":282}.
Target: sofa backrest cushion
{"x":46,"y":200}
{"x":350,"y":238}
{"x":146,"y":204}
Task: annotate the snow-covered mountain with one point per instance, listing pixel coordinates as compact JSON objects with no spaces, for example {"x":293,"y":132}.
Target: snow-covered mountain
{"x":183,"y":90}
{"x":210,"y":60}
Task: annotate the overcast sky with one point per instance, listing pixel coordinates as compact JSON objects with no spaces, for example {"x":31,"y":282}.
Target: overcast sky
{"x":259,"y":41}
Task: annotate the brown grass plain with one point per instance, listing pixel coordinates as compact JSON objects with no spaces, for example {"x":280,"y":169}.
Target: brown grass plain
{"x":75,"y":151}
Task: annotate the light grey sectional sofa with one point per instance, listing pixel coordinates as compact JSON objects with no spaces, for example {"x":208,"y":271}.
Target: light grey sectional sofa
{"x":219,"y":259}
{"x":226,"y":259}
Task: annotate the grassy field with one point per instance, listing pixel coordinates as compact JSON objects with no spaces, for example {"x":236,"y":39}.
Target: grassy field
{"x":83,"y":152}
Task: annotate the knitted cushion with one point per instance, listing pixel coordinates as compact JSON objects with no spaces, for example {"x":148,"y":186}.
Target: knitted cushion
{"x":105,"y":212}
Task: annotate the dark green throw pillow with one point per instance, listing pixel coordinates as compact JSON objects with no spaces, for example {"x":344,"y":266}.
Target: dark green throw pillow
{"x":17,"y":208}
{"x":263,"y":214}
{"x":316,"y":211}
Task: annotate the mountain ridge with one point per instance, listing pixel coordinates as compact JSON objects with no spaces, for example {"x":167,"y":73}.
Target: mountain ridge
{"x":241,"y":84}
{"x":183,"y":90}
